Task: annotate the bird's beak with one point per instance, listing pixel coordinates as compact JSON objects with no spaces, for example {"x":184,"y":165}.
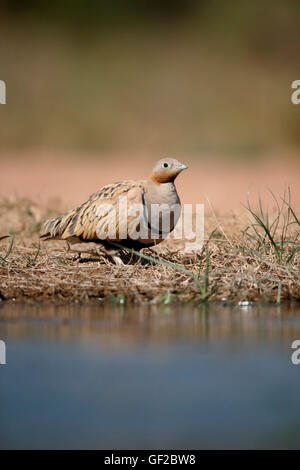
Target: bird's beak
{"x":182,"y":167}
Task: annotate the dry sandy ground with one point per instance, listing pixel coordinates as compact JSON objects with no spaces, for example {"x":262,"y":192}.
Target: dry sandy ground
{"x":232,"y":265}
{"x":72,"y":181}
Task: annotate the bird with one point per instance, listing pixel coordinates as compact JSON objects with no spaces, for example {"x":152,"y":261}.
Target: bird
{"x":134,"y":213}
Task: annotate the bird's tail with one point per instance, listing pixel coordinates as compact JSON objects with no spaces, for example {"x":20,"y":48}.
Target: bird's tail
{"x":55,"y":228}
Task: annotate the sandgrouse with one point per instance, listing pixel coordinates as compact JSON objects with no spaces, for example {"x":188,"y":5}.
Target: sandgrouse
{"x":136,"y":214}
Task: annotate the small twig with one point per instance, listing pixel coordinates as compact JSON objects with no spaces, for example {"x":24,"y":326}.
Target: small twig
{"x":219,"y":226}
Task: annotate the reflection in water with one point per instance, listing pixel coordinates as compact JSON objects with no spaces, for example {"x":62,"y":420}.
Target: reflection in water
{"x":101,"y":376}
{"x":120,"y":326}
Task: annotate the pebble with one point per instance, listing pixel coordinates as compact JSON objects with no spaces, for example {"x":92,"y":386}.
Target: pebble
{"x":244,"y":303}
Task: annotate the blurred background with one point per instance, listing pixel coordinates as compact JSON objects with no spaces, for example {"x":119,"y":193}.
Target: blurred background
{"x":98,"y":91}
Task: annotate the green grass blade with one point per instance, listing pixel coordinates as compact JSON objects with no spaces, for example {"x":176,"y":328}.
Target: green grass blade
{"x":10,"y":247}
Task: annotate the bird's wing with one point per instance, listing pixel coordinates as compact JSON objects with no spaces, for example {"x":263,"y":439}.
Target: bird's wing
{"x":103,"y":216}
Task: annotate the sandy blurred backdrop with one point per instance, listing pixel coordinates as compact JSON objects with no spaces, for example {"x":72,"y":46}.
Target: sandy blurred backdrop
{"x":98,"y":91}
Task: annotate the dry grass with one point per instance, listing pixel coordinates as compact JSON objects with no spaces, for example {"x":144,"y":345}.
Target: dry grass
{"x":252,"y":257}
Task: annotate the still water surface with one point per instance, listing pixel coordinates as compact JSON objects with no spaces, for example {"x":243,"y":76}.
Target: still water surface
{"x":170,"y":377}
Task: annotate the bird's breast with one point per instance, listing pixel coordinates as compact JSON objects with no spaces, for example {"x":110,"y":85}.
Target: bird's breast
{"x":162,"y":210}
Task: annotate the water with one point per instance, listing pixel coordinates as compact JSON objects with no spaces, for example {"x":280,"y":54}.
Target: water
{"x":171,"y":377}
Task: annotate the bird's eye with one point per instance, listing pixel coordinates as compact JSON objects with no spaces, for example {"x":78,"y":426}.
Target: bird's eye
{"x":165,"y":165}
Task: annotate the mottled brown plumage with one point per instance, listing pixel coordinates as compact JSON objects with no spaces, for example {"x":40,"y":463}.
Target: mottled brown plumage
{"x":91,"y":221}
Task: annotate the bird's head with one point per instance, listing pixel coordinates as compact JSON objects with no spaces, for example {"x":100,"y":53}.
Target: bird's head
{"x":166,"y":170}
